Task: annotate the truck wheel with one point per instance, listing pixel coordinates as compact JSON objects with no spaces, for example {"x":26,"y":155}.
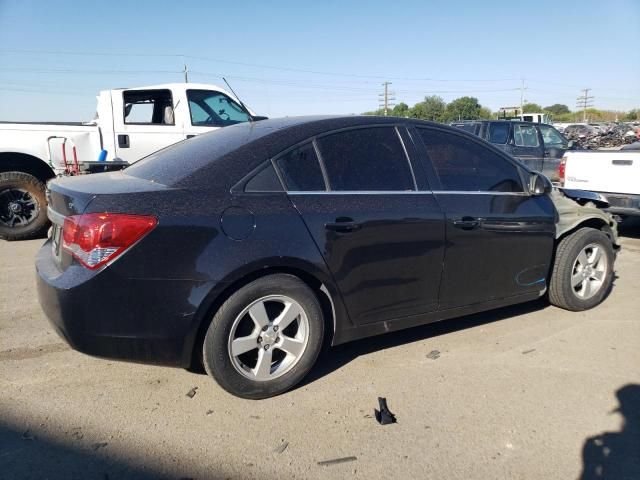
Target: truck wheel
{"x":582,"y":271}
{"x":23,"y":206}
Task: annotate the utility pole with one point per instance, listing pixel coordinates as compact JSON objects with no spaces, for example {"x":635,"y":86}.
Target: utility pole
{"x":386,"y":99}
{"x":186,"y":74}
{"x":584,"y":101}
{"x":522,"y":89}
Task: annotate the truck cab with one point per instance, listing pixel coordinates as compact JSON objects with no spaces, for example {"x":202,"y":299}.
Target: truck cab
{"x":130,"y":124}
{"x":537,"y":145}
{"x":150,"y":118}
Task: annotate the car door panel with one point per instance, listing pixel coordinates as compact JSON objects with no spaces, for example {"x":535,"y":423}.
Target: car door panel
{"x":387,"y":257}
{"x":499,"y":239}
{"x":506,"y":254}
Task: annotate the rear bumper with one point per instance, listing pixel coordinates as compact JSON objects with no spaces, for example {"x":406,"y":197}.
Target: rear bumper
{"x":105,"y":315}
{"x":623,"y":204}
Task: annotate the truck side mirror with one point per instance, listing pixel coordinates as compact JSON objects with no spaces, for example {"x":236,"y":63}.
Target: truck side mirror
{"x":539,"y":184}
{"x":571,"y":144}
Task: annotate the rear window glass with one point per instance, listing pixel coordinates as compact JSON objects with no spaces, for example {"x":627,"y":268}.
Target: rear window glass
{"x":174,"y":163}
{"x":300,"y":169}
{"x":368,"y":159}
{"x":499,"y":132}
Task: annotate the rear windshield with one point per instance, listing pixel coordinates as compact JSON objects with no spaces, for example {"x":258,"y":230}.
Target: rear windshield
{"x":468,"y":127}
{"x":172,"y":164}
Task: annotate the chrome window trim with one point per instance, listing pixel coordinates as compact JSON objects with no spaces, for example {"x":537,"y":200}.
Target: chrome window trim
{"x":406,"y":192}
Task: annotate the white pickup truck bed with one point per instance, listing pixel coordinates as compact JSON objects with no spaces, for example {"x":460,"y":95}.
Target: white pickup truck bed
{"x":616,"y":174}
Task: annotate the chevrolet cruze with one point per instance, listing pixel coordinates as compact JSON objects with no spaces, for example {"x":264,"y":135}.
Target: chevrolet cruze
{"x":247,"y":248}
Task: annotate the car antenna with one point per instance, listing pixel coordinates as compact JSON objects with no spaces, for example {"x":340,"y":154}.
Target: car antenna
{"x":238,"y":98}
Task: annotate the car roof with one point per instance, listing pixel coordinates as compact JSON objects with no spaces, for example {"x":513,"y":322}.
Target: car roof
{"x":227,"y":152}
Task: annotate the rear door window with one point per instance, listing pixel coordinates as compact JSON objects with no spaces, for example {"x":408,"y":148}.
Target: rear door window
{"x":525,"y":135}
{"x":467,"y":166}
{"x":300,"y":169}
{"x":148,"y":107}
{"x":499,"y":132}
{"x":366,"y":159}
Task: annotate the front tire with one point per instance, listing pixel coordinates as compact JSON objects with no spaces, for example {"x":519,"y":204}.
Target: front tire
{"x":265,"y":338}
{"x":23,"y":206}
{"x":583,"y":270}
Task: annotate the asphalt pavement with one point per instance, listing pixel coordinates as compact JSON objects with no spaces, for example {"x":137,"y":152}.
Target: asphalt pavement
{"x":525,"y":392}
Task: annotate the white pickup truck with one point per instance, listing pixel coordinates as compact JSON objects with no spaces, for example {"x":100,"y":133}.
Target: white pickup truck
{"x":130,"y":123}
{"x":613,"y":173}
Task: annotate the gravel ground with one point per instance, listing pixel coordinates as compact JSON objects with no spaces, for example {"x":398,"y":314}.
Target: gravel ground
{"x":515,"y":393}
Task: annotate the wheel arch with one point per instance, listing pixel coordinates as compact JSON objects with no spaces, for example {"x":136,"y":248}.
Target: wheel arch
{"x":25,"y":163}
{"x":324,"y":290}
{"x":597,"y":223}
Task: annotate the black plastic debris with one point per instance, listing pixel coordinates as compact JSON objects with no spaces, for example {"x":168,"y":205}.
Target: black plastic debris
{"x":337,"y":460}
{"x":384,"y":415}
{"x":282,"y":447}
{"x":192,"y":393}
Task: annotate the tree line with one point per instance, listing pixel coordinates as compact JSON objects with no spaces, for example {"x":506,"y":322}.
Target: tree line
{"x":434,"y":108}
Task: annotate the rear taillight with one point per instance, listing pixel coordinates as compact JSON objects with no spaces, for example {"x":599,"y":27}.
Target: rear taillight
{"x":97,"y":238}
{"x":561,"y":169}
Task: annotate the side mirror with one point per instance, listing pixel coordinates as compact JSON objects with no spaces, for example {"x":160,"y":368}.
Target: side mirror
{"x":539,"y":184}
{"x":257,"y":118}
{"x":571,"y":145}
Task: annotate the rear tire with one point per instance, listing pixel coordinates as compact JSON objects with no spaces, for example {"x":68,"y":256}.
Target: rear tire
{"x":583,"y":270}
{"x":265,"y":338}
{"x":23,"y":206}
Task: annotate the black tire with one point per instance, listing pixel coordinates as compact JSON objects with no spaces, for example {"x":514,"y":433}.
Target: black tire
{"x":216,"y":355}
{"x":14,"y":185}
{"x":561,"y":293}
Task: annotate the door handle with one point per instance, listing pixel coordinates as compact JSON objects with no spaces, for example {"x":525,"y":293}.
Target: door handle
{"x":190,"y":136}
{"x":342,"y":226}
{"x":467,"y":223}
{"x":123,"y":141}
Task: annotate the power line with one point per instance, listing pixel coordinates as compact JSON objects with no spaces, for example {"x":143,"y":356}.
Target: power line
{"x":245,"y":64}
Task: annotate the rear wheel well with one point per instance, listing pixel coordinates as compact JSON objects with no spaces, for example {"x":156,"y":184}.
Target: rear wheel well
{"x":22,"y":162}
{"x":311,"y":281}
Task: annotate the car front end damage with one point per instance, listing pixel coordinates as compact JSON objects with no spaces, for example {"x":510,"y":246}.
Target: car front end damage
{"x":577,"y":207}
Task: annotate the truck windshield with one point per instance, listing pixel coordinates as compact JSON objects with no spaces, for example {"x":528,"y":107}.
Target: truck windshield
{"x":209,"y":108}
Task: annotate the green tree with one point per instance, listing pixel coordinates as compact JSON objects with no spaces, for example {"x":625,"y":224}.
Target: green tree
{"x":431,"y":108}
{"x":632,"y":115}
{"x":531,"y":108}
{"x":486,"y":114}
{"x":463,"y":108}
{"x":400,"y":110}
{"x":557,"y":109}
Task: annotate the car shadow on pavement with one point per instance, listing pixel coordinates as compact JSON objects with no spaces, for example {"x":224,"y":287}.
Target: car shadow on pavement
{"x":616,"y":455}
{"x":31,"y":454}
{"x":334,"y":358}
{"x":28,"y":454}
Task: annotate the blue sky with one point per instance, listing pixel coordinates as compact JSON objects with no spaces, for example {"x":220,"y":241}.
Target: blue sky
{"x":298,"y":57}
